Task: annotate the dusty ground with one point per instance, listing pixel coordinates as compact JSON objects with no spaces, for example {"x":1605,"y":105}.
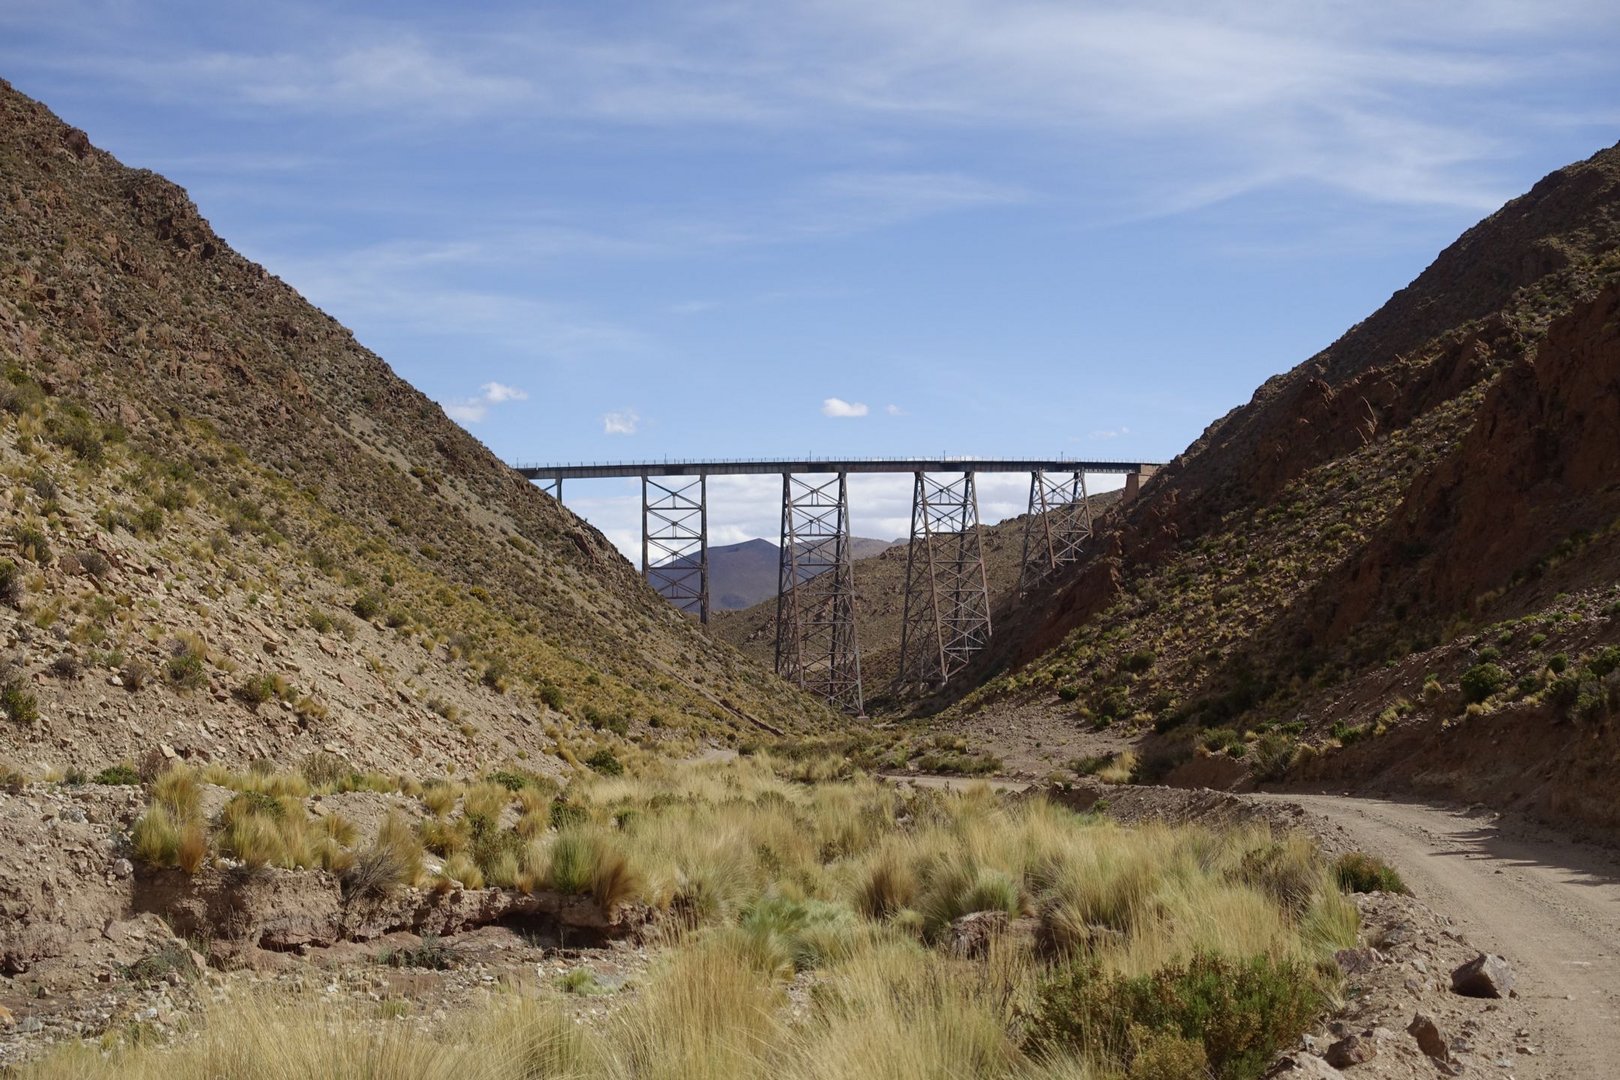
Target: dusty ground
{"x":1036,"y":739}
{"x":1551,"y":908}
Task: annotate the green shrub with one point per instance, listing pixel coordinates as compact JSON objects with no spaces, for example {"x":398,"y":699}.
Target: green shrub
{"x":552,"y":695}
{"x":1357,"y":872}
{"x":1482,"y":680}
{"x":1138,"y":662}
{"x":368,"y":605}
{"x":1606,"y":661}
{"x":186,"y":670}
{"x":1241,"y":1011}
{"x":1349,"y":734}
{"x":1273,"y":754}
{"x":258,"y":689}
{"x":149,"y":520}
{"x":606,"y":762}
{"x":78,"y":433}
{"x":11,"y":584}
{"x":117,"y":774}
{"x":32,"y":543}
{"x":17,"y":701}
{"x":1221,"y":740}
{"x":511,"y":781}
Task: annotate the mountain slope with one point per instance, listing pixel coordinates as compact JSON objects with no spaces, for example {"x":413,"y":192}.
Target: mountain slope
{"x":880,"y":596}
{"x":745,"y":574}
{"x":241,"y":474}
{"x":1432,"y":495}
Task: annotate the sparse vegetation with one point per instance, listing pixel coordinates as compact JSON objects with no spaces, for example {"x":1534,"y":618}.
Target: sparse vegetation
{"x":187,"y":664}
{"x":1361,"y":873}
{"x":432,"y":953}
{"x":1164,"y":944}
{"x":117,"y":774}
{"x":1209,"y":1013}
{"x":11,"y":584}
{"x":17,"y":701}
{"x":1482,"y":680}
{"x":32,"y":543}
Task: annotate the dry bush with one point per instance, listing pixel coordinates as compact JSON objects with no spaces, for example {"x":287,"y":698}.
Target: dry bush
{"x":461,"y":867}
{"x":393,"y":860}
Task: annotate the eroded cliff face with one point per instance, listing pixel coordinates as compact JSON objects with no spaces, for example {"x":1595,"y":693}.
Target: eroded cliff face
{"x":1481,"y":308}
{"x":1383,"y":517}
{"x":1539,"y":468}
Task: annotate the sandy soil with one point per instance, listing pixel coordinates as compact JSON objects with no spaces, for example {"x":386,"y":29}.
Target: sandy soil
{"x":1550,"y":907}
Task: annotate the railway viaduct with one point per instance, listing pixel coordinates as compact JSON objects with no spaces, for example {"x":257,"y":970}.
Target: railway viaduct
{"x":947,"y":602}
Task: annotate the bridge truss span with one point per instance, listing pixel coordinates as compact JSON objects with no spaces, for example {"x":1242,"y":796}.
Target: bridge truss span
{"x":947,"y":599}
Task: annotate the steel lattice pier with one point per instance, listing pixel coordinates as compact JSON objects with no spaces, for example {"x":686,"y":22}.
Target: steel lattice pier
{"x":817,"y":648}
{"x":675,"y":542}
{"x":947,"y":613}
{"x":1058,"y":526}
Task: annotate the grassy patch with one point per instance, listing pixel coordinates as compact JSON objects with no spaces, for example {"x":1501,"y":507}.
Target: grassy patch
{"x":1357,"y":872}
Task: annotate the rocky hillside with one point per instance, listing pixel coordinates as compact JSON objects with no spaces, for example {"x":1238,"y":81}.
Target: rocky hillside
{"x":1409,"y":543}
{"x":880,"y":600}
{"x":229,"y":531}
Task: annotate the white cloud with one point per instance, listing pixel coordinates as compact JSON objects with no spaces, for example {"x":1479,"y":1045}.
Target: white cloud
{"x":894,"y":410}
{"x":1113,"y":433}
{"x":495,"y":393}
{"x":473,"y":410}
{"x":622,"y":422}
{"x":838,"y":407}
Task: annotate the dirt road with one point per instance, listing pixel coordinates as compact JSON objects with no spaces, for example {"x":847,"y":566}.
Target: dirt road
{"x":1551,"y":907}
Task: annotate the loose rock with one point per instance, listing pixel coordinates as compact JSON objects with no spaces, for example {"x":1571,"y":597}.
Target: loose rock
{"x":1486,"y":975}
{"x":1351,"y":1050}
{"x":1429,"y":1040}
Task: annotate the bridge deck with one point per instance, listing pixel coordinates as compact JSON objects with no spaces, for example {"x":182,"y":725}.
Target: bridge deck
{"x":765,"y":466}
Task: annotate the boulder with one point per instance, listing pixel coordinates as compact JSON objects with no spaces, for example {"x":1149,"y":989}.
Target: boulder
{"x":1429,"y":1040}
{"x":1357,"y":961}
{"x":1351,"y":1050}
{"x":1485,"y":975}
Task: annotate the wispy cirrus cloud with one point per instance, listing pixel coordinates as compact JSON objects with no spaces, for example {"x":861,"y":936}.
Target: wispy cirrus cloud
{"x":1386,"y":100}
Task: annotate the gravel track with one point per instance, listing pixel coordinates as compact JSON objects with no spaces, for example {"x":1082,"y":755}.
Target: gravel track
{"x":1552,"y":908}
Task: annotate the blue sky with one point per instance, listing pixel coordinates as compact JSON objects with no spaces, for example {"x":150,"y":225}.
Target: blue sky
{"x":738,"y":228}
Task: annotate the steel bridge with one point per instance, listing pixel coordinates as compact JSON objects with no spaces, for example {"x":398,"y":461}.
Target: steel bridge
{"x":947,"y":598}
